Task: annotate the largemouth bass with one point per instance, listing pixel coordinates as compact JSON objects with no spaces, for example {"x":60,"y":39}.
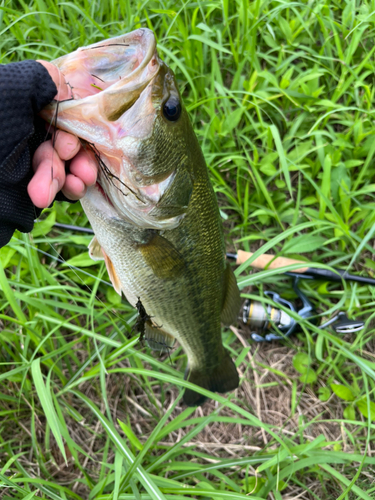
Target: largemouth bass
{"x":153,"y":209}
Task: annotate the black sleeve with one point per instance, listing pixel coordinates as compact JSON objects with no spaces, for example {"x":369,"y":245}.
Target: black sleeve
{"x":25,"y":88}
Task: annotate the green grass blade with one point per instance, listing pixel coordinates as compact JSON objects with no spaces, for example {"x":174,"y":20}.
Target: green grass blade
{"x":47,"y":404}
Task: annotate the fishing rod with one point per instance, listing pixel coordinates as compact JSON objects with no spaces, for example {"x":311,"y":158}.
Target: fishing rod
{"x":74,"y":228}
{"x":267,"y":261}
{"x":265,"y":318}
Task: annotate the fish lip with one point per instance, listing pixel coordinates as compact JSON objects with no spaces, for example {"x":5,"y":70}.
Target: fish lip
{"x":148,"y":40}
{"x":142,"y":40}
{"x":96,"y":201}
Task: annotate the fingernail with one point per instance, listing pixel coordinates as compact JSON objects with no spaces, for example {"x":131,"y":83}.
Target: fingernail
{"x":54,"y":187}
{"x":72,"y":149}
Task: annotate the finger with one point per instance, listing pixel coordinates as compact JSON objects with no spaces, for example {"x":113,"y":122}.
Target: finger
{"x":49,"y":175}
{"x":84,"y":166}
{"x":74,"y":188}
{"x":63,"y":90}
{"x":66,"y":145}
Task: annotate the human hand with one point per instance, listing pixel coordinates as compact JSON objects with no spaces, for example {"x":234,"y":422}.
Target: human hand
{"x":49,"y":159}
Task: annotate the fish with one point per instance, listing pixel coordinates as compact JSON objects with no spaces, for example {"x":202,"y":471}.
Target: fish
{"x":153,"y":209}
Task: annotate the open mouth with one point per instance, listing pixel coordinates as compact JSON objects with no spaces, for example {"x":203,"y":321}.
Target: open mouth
{"x":100,"y":73}
{"x":124,"y":63}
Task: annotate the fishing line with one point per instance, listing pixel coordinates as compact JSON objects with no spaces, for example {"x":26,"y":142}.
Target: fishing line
{"x":108,"y":45}
{"x":54,"y":121}
{"x":108,"y":174}
{"x":62,"y":261}
{"x":48,"y":132}
{"x":74,"y":269}
{"x":110,"y":311}
{"x":54,"y":137}
{"x":98,"y":78}
{"x":98,"y":349}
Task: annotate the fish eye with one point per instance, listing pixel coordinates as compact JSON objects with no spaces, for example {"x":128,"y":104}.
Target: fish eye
{"x":172,"y":109}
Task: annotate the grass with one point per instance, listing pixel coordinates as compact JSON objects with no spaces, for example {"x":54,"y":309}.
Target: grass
{"x":281,"y":95}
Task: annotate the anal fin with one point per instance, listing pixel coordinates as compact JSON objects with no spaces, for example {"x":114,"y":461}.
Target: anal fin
{"x":232,"y":298}
{"x":222,"y":378}
{"x":156,"y":338}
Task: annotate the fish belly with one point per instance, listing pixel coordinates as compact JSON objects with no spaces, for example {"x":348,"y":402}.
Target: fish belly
{"x":187,"y":306}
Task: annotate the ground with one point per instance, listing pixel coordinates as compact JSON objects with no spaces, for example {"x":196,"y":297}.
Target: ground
{"x":281,"y":97}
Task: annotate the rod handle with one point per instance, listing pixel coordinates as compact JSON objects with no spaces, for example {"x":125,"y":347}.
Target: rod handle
{"x":264,"y":261}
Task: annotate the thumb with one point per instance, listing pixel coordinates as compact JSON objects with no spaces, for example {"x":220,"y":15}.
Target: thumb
{"x":63,"y":90}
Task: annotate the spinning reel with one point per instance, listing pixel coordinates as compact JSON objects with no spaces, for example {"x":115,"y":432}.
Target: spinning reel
{"x":266,"y":317}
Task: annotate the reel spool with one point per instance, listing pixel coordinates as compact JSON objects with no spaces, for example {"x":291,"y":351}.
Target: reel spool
{"x":265,"y":317}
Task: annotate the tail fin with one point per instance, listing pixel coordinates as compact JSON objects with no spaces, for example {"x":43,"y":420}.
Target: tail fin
{"x":222,"y":378}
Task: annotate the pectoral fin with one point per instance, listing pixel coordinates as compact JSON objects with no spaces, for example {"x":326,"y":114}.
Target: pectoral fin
{"x":96,"y":252}
{"x":156,"y":338}
{"x":232,"y":299}
{"x":163,"y":258}
{"x":115,"y":280}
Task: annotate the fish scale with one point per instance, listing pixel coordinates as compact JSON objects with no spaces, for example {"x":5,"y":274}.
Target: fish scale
{"x":162,"y":237}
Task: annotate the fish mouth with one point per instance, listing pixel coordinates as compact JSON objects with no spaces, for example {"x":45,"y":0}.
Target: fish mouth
{"x":106,"y":79}
{"x":119,"y":87}
{"x":109,"y":66}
